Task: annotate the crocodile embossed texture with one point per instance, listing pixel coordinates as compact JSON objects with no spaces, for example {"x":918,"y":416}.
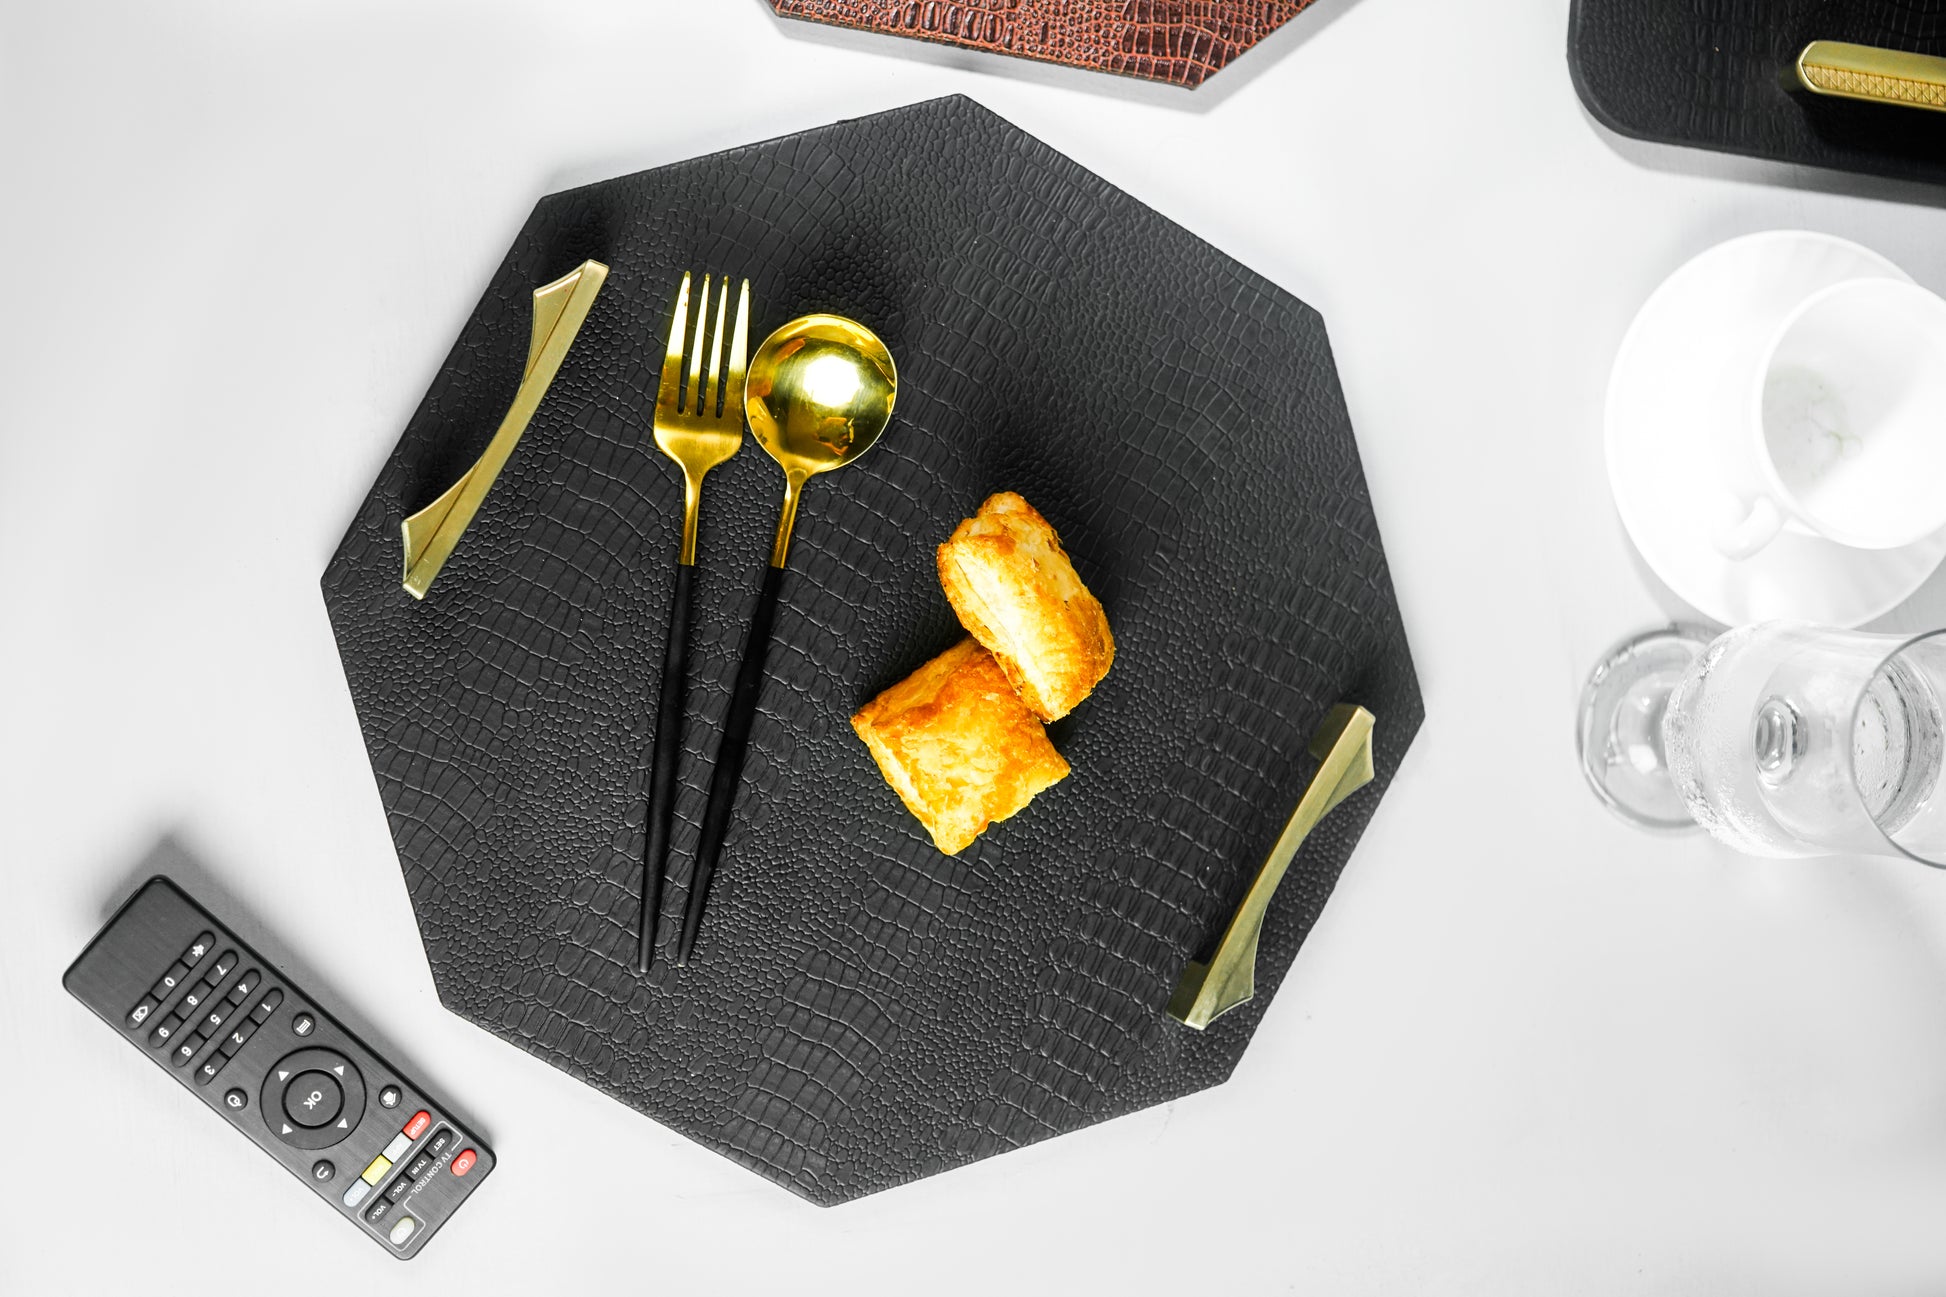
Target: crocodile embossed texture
{"x":1178,"y":41}
{"x":1717,"y":74}
{"x":862,"y":1010}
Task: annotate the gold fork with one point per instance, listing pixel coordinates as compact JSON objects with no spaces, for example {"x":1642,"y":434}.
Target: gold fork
{"x":699,"y":424}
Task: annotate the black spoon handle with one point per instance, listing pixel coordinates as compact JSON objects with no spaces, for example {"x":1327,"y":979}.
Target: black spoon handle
{"x":728,"y":773}
{"x":662,"y":765}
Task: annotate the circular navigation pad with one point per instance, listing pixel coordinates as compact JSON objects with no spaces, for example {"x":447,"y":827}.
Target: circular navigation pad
{"x":312,"y":1098}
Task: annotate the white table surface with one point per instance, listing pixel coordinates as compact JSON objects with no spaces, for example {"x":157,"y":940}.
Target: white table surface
{"x":1526,"y":1050}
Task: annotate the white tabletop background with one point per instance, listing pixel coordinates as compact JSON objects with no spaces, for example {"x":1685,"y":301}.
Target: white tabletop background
{"x":1526,"y":1051}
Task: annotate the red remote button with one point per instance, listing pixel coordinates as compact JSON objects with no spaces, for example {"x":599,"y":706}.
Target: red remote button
{"x":464,"y":1162}
{"x":417,"y":1126}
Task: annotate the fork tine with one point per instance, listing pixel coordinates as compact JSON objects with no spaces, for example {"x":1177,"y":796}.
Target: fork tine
{"x":739,"y":355}
{"x":715,"y":388}
{"x":665,"y":396}
{"x":693,"y":402}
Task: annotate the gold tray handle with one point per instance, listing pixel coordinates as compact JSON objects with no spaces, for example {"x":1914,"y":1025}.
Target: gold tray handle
{"x":1866,"y":72}
{"x":1343,"y":747}
{"x":560,"y":309}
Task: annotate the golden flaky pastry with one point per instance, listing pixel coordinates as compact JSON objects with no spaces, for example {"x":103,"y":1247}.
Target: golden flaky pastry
{"x":957,"y":745}
{"x":1012,"y":585}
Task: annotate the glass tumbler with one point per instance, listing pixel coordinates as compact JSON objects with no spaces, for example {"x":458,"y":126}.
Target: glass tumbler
{"x":1781,"y":739}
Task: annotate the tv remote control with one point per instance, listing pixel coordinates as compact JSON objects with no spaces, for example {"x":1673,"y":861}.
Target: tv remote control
{"x":248,"y":1042}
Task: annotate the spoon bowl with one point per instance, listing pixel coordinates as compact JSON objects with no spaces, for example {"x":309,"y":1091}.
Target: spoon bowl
{"x":819,"y":394}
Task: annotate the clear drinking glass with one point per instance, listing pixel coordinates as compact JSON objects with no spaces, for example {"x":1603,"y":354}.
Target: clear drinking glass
{"x":1781,"y":739}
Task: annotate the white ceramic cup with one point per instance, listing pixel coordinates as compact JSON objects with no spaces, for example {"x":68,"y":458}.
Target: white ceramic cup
{"x":1844,"y":423}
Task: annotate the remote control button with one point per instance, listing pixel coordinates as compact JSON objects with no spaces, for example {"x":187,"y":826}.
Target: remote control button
{"x":304,"y":1024}
{"x":464,"y":1162}
{"x":402,"y":1229}
{"x":417,"y":1126}
{"x":160,"y":1036}
{"x":244,"y":986}
{"x":356,"y":1194}
{"x":170,"y":980}
{"x":338,"y":1111}
{"x":187,"y":1050}
{"x":399,"y":1187}
{"x":267,"y":1006}
{"x":213,"y":1020}
{"x":234,"y":1041}
{"x":323,"y":1169}
{"x":198,"y":948}
{"x":376,"y":1212}
{"x":140,"y":1013}
{"x":439,"y":1142}
{"x":313,"y":1099}
{"x":376,"y":1171}
{"x":389,"y":1097}
{"x":211,"y":1066}
{"x":194,"y":998}
{"x":236,"y":1100}
{"x":224,"y":963}
{"x":396,"y":1149}
{"x":418,"y":1167}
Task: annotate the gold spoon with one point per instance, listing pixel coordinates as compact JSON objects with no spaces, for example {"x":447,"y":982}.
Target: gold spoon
{"x":818,"y":394}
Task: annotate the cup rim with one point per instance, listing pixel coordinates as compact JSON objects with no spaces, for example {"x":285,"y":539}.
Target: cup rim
{"x":1851,"y":756}
{"x":1767,"y":469}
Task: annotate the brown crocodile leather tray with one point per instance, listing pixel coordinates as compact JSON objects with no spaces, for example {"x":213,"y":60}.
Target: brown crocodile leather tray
{"x":862,"y":1010}
{"x":1179,"y":41}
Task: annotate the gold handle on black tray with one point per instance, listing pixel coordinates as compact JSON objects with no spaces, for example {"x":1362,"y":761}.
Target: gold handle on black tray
{"x":1343,"y":747}
{"x":560,"y":309}
{"x":1874,"y":75}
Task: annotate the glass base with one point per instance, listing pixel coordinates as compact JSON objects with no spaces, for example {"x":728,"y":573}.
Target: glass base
{"x":1620,"y":729}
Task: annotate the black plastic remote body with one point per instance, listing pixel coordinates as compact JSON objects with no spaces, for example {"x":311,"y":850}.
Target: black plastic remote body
{"x":241,"y":1037}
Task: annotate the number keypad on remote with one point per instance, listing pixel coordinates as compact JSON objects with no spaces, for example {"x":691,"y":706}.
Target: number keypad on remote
{"x":204,"y":1006}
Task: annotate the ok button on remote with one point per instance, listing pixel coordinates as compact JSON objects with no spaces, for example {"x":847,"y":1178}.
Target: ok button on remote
{"x":313,"y":1098}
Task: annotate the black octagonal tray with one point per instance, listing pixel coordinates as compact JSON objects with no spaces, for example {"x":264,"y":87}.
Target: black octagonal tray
{"x":862,"y":1010}
{"x":1713,"y":74}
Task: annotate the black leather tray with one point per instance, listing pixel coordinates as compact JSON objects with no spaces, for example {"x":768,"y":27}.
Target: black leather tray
{"x":1712,"y":74}
{"x":861,"y":1009}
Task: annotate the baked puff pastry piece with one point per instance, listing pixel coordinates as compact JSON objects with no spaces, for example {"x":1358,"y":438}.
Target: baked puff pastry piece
{"x":1013,"y":587}
{"x":958,"y":746}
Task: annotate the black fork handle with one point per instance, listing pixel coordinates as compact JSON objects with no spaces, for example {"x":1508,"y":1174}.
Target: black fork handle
{"x":664,"y":755}
{"x":728,"y":773}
